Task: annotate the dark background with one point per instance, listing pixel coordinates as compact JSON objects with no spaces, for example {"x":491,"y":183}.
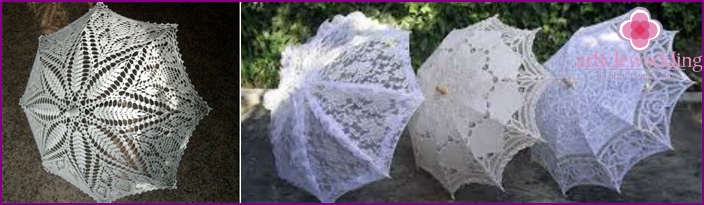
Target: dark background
{"x":267,"y":28}
{"x":209,"y":43}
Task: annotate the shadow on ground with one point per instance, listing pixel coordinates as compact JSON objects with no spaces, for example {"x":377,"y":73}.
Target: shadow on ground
{"x":208,"y":41}
{"x":672,"y":176}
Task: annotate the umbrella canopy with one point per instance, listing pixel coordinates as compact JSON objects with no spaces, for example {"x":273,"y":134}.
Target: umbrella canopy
{"x":480,"y":86}
{"x":598,"y":120}
{"x":110,"y":104}
{"x":343,"y":100}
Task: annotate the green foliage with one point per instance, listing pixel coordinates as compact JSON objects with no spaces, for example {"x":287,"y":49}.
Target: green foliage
{"x":268,"y":28}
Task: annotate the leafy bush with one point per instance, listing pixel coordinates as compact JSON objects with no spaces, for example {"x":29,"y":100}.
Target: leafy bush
{"x":267,"y":28}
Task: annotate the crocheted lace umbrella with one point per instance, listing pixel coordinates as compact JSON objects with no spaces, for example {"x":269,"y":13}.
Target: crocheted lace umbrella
{"x":110,"y":104}
{"x":599,"y":121}
{"x":344,"y":98}
{"x":480,"y":86}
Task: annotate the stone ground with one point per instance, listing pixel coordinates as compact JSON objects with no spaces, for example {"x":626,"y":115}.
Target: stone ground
{"x":208,"y":42}
{"x":672,"y":176}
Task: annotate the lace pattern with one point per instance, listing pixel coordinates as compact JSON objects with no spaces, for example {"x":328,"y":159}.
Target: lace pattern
{"x":110,"y":104}
{"x":608,"y":119}
{"x":343,"y":101}
{"x":481,"y":87}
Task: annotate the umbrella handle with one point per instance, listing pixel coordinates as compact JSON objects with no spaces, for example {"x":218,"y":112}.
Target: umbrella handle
{"x":441,"y":89}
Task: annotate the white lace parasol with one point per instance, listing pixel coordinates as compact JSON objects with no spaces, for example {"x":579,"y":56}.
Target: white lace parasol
{"x":110,"y":104}
{"x":599,"y":121}
{"x":343,"y":100}
{"x":480,"y":87}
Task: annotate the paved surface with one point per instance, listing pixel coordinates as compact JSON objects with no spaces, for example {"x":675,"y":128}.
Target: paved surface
{"x":208,"y":43}
{"x":672,"y":176}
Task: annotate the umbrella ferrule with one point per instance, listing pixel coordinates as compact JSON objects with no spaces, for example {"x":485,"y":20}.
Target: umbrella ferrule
{"x":648,"y":87}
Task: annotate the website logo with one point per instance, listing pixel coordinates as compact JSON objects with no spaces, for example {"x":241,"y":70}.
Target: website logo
{"x":639,"y":29}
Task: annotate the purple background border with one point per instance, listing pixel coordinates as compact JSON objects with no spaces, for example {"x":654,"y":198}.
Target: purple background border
{"x":317,"y":1}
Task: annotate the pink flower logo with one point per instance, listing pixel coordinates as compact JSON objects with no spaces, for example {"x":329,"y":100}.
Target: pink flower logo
{"x":639,"y":29}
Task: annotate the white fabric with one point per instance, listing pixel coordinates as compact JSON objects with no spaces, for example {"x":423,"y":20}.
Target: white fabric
{"x":480,"y":86}
{"x":343,"y":100}
{"x":598,"y":128}
{"x":110,"y":104}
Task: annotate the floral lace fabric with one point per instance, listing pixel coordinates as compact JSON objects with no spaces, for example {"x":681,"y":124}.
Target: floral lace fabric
{"x":343,"y":100}
{"x":481,"y":87}
{"x":110,"y":104}
{"x":606,"y":119}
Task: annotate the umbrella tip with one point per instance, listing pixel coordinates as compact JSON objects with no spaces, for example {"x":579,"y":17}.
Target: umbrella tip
{"x":568,"y":82}
{"x":536,"y":136}
{"x":564,"y":192}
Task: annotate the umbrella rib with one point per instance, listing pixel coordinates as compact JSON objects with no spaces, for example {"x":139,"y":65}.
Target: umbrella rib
{"x":376,"y":89}
{"x":343,"y":140}
{"x":312,"y":179}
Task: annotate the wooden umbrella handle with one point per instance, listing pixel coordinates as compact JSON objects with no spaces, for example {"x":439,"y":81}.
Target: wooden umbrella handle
{"x":441,"y":89}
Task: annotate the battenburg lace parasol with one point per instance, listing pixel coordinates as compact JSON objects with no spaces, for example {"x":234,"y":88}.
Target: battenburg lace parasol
{"x":480,"y":86}
{"x":598,"y":119}
{"x":110,"y":104}
{"x":343,"y":100}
